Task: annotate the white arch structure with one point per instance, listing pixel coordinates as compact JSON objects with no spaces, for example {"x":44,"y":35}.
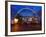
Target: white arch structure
{"x":25,"y":8}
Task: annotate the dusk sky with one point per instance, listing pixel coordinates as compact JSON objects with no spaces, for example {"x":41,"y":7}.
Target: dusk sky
{"x":25,"y":12}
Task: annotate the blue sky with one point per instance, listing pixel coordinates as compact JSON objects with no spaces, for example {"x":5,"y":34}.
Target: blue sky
{"x":25,"y":12}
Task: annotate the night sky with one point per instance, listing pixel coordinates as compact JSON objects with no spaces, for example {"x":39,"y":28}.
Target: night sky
{"x":25,"y":12}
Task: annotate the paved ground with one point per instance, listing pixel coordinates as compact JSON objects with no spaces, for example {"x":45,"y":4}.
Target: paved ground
{"x":26,"y":27}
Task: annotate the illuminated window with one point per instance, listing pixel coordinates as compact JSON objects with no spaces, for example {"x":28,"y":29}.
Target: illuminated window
{"x":30,"y":19}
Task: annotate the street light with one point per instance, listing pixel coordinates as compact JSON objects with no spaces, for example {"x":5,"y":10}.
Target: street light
{"x":16,"y":20}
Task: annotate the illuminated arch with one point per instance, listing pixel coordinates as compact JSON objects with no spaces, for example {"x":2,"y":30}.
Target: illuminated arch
{"x":27,"y":9}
